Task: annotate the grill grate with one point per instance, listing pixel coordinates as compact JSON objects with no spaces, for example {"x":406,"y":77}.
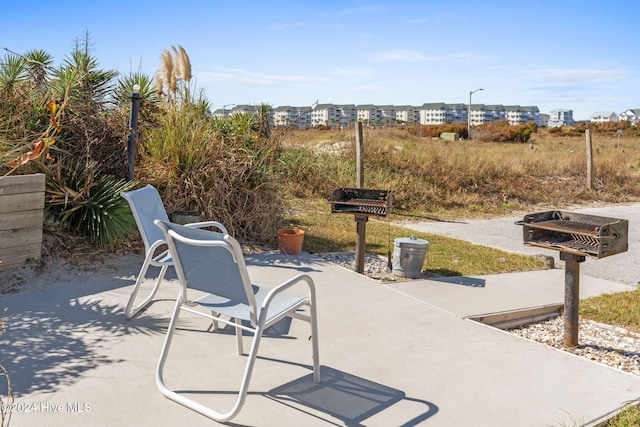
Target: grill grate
{"x":575,"y":242}
{"x":579,"y":234}
{"x":361,"y":201}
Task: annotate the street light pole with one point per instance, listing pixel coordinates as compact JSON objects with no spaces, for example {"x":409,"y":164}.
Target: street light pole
{"x":469,"y":113}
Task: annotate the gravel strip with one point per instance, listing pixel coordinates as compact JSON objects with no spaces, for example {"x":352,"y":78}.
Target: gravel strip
{"x":613,"y":346}
{"x":610,"y":345}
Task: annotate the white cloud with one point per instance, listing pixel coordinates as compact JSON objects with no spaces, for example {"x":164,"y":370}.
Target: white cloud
{"x":579,"y":75}
{"x":408,"y":55}
{"x":350,"y":71}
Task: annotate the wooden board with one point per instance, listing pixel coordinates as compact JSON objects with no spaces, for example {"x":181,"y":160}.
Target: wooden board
{"x":21,"y":184}
{"x":21,"y":218}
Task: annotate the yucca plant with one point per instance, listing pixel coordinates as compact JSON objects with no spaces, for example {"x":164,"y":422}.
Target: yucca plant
{"x":89,"y":204}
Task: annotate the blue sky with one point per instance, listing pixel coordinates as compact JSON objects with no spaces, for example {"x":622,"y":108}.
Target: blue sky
{"x":578,"y":55}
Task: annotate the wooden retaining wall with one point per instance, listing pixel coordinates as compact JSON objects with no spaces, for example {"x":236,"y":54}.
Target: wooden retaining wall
{"x":21,"y":218}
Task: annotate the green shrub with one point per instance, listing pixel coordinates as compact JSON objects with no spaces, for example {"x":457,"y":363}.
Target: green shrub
{"x":89,"y":204}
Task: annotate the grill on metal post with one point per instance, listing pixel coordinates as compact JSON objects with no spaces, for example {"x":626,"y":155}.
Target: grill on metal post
{"x":361,"y":203}
{"x":576,"y":236}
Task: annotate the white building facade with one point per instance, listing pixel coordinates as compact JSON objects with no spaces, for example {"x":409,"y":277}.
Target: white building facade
{"x":560,"y":117}
{"x":604,"y":116}
{"x":631,"y":115}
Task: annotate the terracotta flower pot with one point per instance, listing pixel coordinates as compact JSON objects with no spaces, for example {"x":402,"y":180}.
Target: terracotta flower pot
{"x":290,"y":240}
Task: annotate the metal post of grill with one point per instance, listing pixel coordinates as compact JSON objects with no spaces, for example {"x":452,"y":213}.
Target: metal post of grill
{"x":361,"y":239}
{"x":571,"y":297}
{"x":576,"y":236}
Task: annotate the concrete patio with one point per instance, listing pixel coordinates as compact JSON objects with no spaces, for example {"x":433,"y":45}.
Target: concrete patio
{"x":397,"y":354}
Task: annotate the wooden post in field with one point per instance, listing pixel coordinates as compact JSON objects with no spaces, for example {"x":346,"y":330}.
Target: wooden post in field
{"x":587,"y":133}
{"x":361,"y":220}
{"x":359,"y":156}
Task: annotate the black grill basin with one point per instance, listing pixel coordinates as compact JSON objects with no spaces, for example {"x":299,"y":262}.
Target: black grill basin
{"x":361,"y":201}
{"x":578,"y":234}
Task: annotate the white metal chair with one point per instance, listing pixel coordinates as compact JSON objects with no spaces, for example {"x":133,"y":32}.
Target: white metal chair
{"x":214,"y":263}
{"x":146,"y":206}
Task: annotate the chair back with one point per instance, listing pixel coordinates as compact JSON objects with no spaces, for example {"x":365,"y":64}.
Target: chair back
{"x":209,"y":261}
{"x":146,"y":206}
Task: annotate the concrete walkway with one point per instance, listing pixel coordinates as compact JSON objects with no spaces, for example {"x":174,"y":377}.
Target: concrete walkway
{"x":398,"y":354}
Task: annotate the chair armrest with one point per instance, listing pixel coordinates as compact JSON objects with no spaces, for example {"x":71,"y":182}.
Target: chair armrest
{"x":286,"y":285}
{"x":154,"y":247}
{"x":208,"y":224}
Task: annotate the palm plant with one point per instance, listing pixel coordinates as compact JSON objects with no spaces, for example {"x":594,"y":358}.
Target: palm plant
{"x":12,"y":73}
{"x":89,"y":86}
{"x":38,"y":64}
{"x":124,"y":88}
{"x":89,"y":204}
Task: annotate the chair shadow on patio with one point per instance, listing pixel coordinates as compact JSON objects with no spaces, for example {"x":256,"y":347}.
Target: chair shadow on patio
{"x":47,"y":347}
{"x":352,"y":399}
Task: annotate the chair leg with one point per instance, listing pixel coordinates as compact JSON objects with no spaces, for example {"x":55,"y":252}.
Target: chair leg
{"x":130,"y":311}
{"x":313,"y":320}
{"x":239,"y":337}
{"x":208,"y":412}
{"x":214,"y":323}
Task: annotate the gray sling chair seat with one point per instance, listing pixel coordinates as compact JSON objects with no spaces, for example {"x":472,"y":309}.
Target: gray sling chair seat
{"x":146,"y":206}
{"x":213,"y":263}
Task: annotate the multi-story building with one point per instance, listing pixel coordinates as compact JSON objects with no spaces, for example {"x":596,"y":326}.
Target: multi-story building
{"x":348,"y":115}
{"x":387,"y":114}
{"x":345,"y":115}
{"x":517,"y":115}
{"x":481,"y":113}
{"x":369,"y":114}
{"x":294,"y":117}
{"x":324,"y":115}
{"x":495,"y":112}
{"x":435,"y":113}
{"x":407,"y":114}
{"x":560,"y":117}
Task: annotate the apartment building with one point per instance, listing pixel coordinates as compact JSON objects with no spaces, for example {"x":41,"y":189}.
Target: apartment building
{"x":494,"y":112}
{"x":437,"y":113}
{"x":323,"y":115}
{"x":345,"y":115}
{"x":293,"y":117}
{"x":560,"y":117}
{"x":387,"y":114}
{"x":407,"y":114}
{"x":481,"y":113}
{"x":368,"y":113}
{"x":348,"y":115}
{"x":517,"y":115}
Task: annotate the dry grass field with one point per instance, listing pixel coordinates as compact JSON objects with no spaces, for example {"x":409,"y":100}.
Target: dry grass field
{"x":433,"y":177}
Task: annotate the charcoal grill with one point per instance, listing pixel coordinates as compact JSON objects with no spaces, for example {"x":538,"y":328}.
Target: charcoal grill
{"x":576,"y":236}
{"x":361,"y":201}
